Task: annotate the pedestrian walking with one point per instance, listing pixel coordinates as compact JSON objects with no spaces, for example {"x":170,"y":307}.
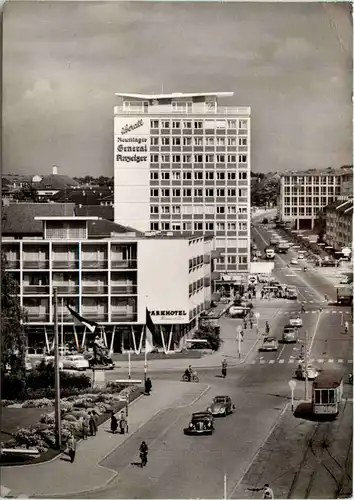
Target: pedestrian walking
{"x":224,"y":368}
{"x":262,"y":293}
{"x":123,"y":424}
{"x":72,"y":448}
{"x":114,"y":423}
{"x":245,"y":324}
{"x":92,"y":424}
{"x":148,"y":386}
{"x":85,"y":427}
{"x":267,"y":491}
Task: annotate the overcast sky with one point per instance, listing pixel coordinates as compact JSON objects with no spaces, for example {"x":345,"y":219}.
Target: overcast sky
{"x":63,"y":62}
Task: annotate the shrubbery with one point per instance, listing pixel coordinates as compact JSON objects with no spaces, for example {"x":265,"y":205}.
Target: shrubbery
{"x":211,"y":334}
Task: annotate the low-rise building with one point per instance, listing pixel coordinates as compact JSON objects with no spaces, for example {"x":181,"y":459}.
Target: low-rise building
{"x":110,"y":274}
{"x":339,"y":226}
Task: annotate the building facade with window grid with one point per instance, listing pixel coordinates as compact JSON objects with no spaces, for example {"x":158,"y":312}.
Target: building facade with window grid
{"x":303,"y":195}
{"x":182,"y":164}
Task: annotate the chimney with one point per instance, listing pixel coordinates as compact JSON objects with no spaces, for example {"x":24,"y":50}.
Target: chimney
{"x":55,"y":170}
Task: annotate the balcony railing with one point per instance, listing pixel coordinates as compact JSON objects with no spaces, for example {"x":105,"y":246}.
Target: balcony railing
{"x":94,"y":289}
{"x":13,"y":264}
{"x":36,"y":264}
{"x":124,"y":317}
{"x":67,"y":289}
{"x":33,"y":316}
{"x":124,"y":289}
{"x":65,"y":264}
{"x":35,"y":289}
{"x":219,"y":110}
{"x":124,"y":264}
{"x":94,"y":264}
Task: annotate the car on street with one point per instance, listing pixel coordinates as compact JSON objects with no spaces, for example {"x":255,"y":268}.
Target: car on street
{"x":263,"y":278}
{"x":221,"y":406}
{"x":295,"y":320}
{"x":75,"y":362}
{"x":294,"y":262}
{"x":291,"y":292}
{"x":300,"y":373}
{"x":344,"y":280}
{"x":289,"y":334}
{"x":269,"y":344}
{"x":201,"y":422}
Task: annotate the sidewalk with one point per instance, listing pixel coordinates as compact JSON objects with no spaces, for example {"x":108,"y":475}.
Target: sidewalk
{"x":60,"y":477}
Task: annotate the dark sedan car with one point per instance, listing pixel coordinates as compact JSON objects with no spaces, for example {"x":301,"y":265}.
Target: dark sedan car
{"x":200,"y":423}
{"x":221,"y":406}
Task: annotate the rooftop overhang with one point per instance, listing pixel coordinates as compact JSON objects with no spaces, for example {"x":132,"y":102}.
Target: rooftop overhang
{"x":177,"y":95}
{"x":72,"y":218}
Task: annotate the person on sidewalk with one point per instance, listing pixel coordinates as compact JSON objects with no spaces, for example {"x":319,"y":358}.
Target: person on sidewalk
{"x":148,"y":386}
{"x":224,"y":368}
{"x":143,"y":450}
{"x":92,"y":424}
{"x":85,"y":427}
{"x":72,"y":448}
{"x":123,"y":424}
{"x":114,"y":423}
{"x":267,"y":491}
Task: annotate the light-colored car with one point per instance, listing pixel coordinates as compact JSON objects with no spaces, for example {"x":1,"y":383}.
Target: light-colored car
{"x":269,"y":344}
{"x":289,"y":334}
{"x":294,"y":262}
{"x":295,"y":321}
{"x":221,"y":406}
{"x":344,"y":280}
{"x":75,"y":362}
{"x":312,"y":373}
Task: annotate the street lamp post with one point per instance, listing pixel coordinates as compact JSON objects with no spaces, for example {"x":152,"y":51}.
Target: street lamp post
{"x":292,"y":385}
{"x":57,"y":374}
{"x":306,"y":368}
{"x":256,"y":315}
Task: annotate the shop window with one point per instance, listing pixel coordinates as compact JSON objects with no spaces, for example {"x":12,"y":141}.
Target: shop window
{"x":324,"y":396}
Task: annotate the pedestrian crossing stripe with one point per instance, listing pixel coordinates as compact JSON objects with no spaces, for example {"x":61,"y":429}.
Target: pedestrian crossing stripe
{"x":281,"y":361}
{"x":330,"y":360}
{"x":350,"y":361}
{"x":292,"y":361}
{"x":340,"y":361}
{"x":272,"y":361}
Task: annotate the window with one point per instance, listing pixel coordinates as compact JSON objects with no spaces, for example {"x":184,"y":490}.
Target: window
{"x":154,"y":226}
{"x":209,"y":192}
{"x":154,"y":158}
{"x":187,"y":209}
{"x":209,"y":226}
{"x":198,"y":226}
{"x":287,"y":200}
{"x":165,"y":226}
{"x":198,"y":158}
{"x":165,"y":124}
{"x":198,"y":124}
{"x":187,"y":176}
{"x":220,"y":158}
{"x":231,"y":210}
{"x":165,"y":192}
{"x":317,"y":397}
{"x":323,"y":201}
{"x":187,"y":192}
{"x":242,"y":192}
{"x":231,"y":226}
{"x":209,"y":176}
{"x":165,"y":141}
{"x":242,"y":141}
{"x":220,"y":226}
{"x":220,"y":141}
{"x":231,"y":141}
{"x":165,"y":176}
{"x":154,"y":141}
{"x":242,"y":210}
{"x":323,"y":179}
{"x":176,"y":124}
{"x":209,"y":141}
{"x":242,"y":124}
{"x":198,"y":176}
{"x":220,"y":260}
{"x":331,"y":180}
{"x":198,"y":192}
{"x":176,"y":141}
{"x":220,"y":209}
{"x":308,"y":211}
{"x":187,"y":124}
{"x":242,"y":158}
{"x":165,"y":158}
{"x":231,"y":158}
{"x":231,"y":176}
{"x":294,"y":211}
{"x":242,"y":259}
{"x":302,"y":201}
{"x":187,"y":226}
{"x":220,"y":124}
{"x":176,"y":209}
{"x":220,"y":192}
{"x":154,"y":209}
{"x":154,"y":124}
{"x":220,"y":176}
{"x":187,"y":158}
{"x":198,"y":141}
{"x":287,"y":211}
{"x":324,"y":396}
{"x":231,"y":192}
{"x":316,"y":201}
{"x":331,"y":396}
{"x":154,"y":176}
{"x":176,"y":192}
{"x":176,"y":158}
{"x":176,"y":227}
{"x":231,"y":123}
{"x":242,"y":176}
{"x":209,"y":124}
{"x":231,"y":259}
{"x":209,"y":209}
{"x":165,"y":209}
{"x":209,"y":158}
{"x":242,"y":226}
{"x":154,"y":192}
{"x":176,"y":176}
{"x":187,"y":141}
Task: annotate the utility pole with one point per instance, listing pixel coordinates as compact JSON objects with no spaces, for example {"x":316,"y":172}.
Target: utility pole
{"x":306,"y":366}
{"x":57,"y":373}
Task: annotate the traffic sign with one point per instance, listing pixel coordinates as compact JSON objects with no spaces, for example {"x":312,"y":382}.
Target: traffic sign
{"x":252,"y":279}
{"x":292,"y":384}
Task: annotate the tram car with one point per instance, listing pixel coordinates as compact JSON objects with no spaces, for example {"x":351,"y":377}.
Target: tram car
{"x":327,"y":391}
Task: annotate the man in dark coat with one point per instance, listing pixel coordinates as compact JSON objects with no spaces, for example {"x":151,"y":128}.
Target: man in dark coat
{"x":148,"y":386}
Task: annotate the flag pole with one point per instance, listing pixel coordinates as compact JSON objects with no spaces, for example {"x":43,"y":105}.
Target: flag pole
{"x":145,"y":358}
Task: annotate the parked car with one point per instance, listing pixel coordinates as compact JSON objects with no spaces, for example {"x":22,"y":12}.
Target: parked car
{"x":269,"y":344}
{"x":291,"y":292}
{"x":75,"y":362}
{"x":221,"y":406}
{"x":294,"y":262}
{"x":289,"y":334}
{"x":295,"y":320}
{"x":312,"y":373}
{"x":201,"y":422}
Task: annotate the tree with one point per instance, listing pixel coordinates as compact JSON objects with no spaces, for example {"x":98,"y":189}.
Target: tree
{"x":13,"y":338}
{"x":211,"y":334}
{"x":27,"y":193}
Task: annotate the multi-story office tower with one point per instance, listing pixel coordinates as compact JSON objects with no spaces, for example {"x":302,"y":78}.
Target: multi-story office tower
{"x":339,"y":226}
{"x":182,"y":164}
{"x":304,"y":194}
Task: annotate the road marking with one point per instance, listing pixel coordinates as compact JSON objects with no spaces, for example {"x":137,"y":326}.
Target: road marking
{"x":291,"y":360}
{"x":271,"y":361}
{"x":314,"y":312}
{"x":281,"y":351}
{"x":320,"y":361}
{"x":262,"y":361}
{"x":340,"y":361}
{"x":334,"y":312}
{"x":253,"y":362}
{"x":281,"y":361}
{"x":350,"y":361}
{"x":330,"y":360}
{"x":314,"y":333}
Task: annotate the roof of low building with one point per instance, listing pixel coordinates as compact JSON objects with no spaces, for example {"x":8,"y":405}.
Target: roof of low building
{"x":102,"y":228}
{"x":102,"y":211}
{"x":19,"y":218}
{"x":55,"y":181}
{"x":176,"y":95}
{"x":82,"y":196}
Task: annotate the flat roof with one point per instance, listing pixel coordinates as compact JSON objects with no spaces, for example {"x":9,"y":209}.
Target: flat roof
{"x":175,"y":95}
{"x":72,"y":217}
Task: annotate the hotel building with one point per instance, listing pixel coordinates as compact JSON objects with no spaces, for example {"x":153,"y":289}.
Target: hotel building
{"x":109,"y":274}
{"x":182,"y":164}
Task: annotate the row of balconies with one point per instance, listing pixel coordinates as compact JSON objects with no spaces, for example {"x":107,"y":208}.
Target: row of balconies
{"x":72,"y":264}
{"x":76,"y":290}
{"x":44,"y":317}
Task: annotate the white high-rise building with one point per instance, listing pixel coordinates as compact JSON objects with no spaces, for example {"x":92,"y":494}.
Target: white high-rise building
{"x":182,"y":164}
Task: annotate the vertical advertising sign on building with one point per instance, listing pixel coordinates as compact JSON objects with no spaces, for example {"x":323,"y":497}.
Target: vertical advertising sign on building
{"x":132,"y":171}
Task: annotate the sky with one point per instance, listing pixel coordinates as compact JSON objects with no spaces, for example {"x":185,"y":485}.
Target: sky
{"x":64,"y":61}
